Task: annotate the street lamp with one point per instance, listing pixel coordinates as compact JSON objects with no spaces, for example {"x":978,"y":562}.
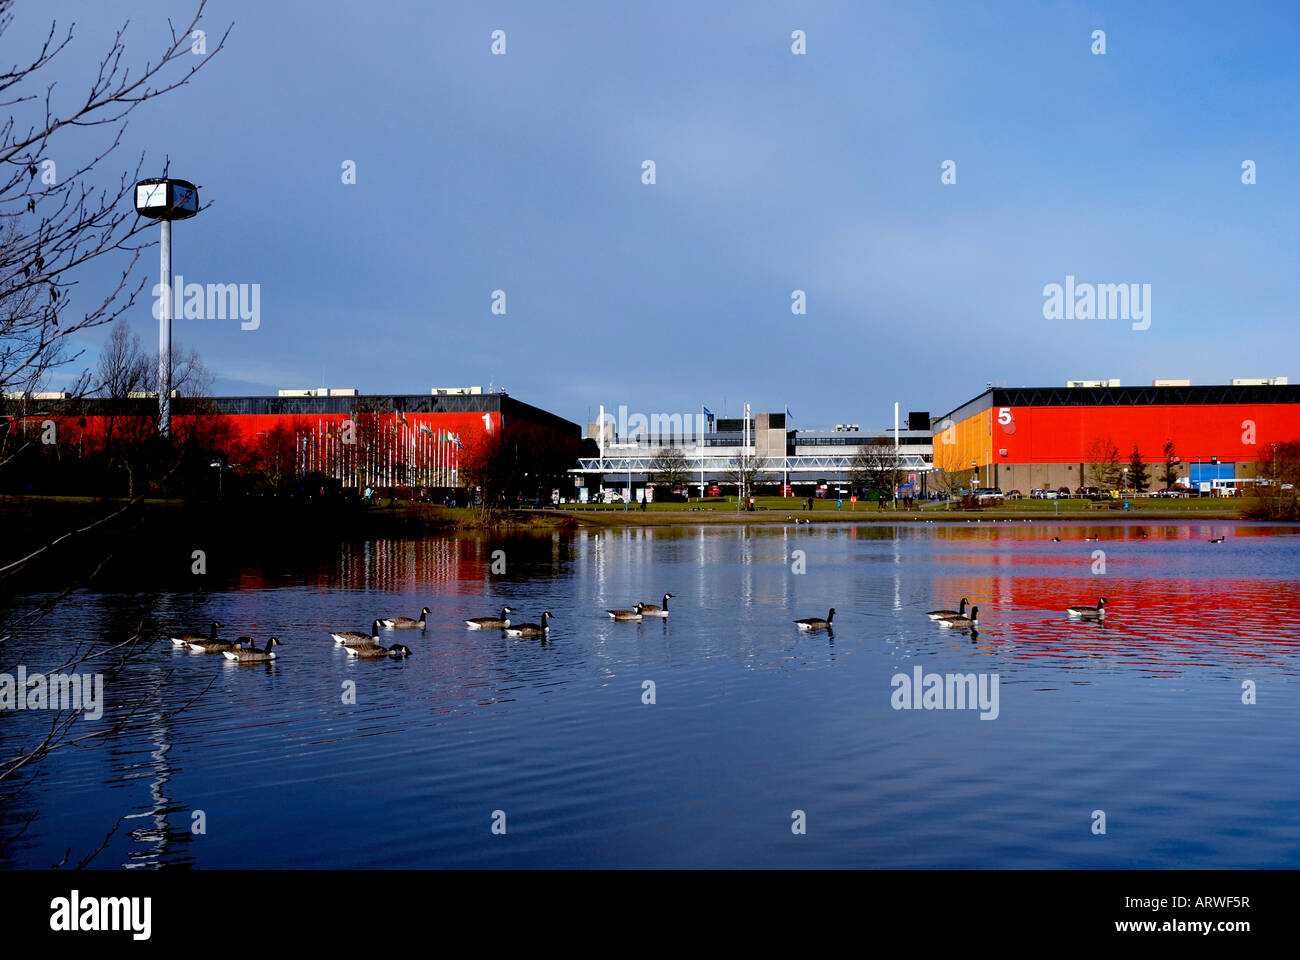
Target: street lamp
{"x":166,"y":200}
{"x":1126,"y":488}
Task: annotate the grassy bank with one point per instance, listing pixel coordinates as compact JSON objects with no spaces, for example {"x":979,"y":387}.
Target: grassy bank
{"x":784,"y":510}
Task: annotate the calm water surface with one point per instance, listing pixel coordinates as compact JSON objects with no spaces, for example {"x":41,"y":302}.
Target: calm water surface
{"x":1141,"y":717}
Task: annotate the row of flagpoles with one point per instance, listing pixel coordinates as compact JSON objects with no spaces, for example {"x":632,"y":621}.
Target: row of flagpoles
{"x":393,"y":453}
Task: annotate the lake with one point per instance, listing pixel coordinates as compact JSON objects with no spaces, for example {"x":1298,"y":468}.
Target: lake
{"x":763,"y":747}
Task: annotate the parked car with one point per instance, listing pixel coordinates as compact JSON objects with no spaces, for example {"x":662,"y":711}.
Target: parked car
{"x":1051,"y":494}
{"x":1063,"y":492}
{"x":1036,"y":493}
{"x":1015,"y":495}
{"x":988,"y":493}
{"x":1087,"y":492}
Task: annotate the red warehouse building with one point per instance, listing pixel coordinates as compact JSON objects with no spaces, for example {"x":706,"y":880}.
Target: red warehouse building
{"x":381,"y":441}
{"x":1047,"y":437}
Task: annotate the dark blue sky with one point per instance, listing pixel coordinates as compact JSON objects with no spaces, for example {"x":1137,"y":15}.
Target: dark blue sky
{"x":775,"y":172}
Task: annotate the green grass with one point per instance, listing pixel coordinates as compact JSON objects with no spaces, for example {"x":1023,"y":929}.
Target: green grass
{"x":772,"y":508}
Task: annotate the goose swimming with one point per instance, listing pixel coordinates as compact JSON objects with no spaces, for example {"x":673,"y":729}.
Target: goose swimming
{"x":407,"y":623}
{"x":654,"y":610}
{"x":817,"y":623}
{"x":945,"y":614}
{"x":185,"y":639}
{"x":532,"y":629}
{"x":490,"y":623}
{"x":1089,"y":613}
{"x":962,"y":623}
{"x":253,"y":655}
{"x":351,"y":639}
{"x":376,"y":651}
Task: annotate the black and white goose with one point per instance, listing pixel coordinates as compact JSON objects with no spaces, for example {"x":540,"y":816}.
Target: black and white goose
{"x":1218,"y":540}
{"x":654,"y":610}
{"x":407,"y":623}
{"x":1089,"y":613}
{"x":532,"y":629}
{"x":253,"y":655}
{"x":377,"y":651}
{"x":490,"y":623}
{"x":627,"y":614}
{"x":816,"y":623}
{"x":220,"y":646}
{"x":352,"y":639}
{"x":963,"y":623}
{"x":945,"y":614}
{"x":185,"y":639}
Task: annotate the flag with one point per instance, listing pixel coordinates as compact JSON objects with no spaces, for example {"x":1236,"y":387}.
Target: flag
{"x":707,"y":412}
{"x":788,"y":415}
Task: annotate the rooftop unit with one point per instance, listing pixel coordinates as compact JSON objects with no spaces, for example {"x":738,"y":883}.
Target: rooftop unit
{"x":456,"y":391}
{"x":1259,"y":382}
{"x":1093,"y":383}
{"x":1171,"y":383}
{"x":343,"y":392}
{"x":847,"y":428}
{"x":50,"y":395}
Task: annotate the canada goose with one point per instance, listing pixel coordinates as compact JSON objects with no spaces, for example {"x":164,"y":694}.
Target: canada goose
{"x":185,"y":639}
{"x":219,"y":646}
{"x":627,"y":614}
{"x":375,"y":651}
{"x":406,"y":623}
{"x":253,"y":655}
{"x":962,"y":623}
{"x":532,"y":629}
{"x":352,"y":639}
{"x":1091,"y":539}
{"x":1089,"y":613}
{"x":1056,"y":539}
{"x":490,"y":623}
{"x":652,"y":610}
{"x":945,"y":614}
{"x":1217,"y":540}
{"x":817,"y":623}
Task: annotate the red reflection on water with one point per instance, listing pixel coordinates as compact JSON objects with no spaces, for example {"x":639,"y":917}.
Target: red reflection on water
{"x":1161,"y":620}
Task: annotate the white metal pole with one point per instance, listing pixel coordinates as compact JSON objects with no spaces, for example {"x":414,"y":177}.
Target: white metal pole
{"x":700,"y":444}
{"x":894,"y":472}
{"x":165,"y":332}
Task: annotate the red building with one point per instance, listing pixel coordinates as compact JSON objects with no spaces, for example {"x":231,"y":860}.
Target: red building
{"x":1031,"y":437}
{"x":379,"y":441}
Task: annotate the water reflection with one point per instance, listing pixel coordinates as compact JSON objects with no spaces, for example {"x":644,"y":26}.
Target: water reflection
{"x":747,"y":707}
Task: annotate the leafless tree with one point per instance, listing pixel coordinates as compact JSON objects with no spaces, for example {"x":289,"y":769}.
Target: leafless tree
{"x":744,"y":471}
{"x":55,"y":221}
{"x":668,"y":468}
{"x":876,"y":467}
{"x":1104,"y":463}
{"x":56,"y":217}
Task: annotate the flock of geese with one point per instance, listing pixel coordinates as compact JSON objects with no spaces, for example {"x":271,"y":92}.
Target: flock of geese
{"x":958,"y":618}
{"x":367,"y":646}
